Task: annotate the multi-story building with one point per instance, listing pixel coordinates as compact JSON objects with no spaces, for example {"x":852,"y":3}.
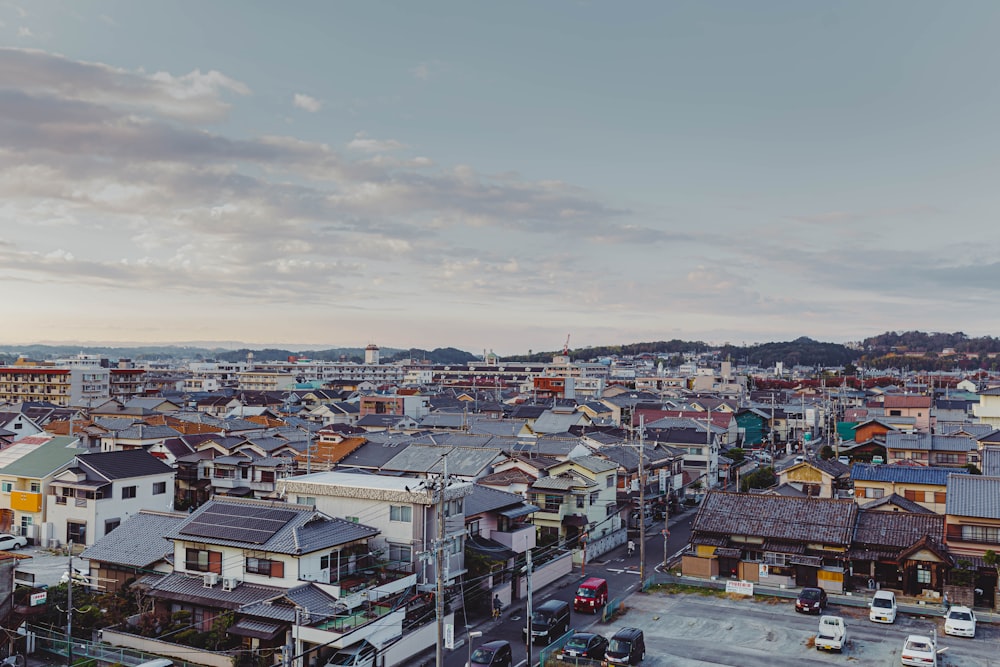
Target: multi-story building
{"x":57,"y":385}
{"x":28,"y":470}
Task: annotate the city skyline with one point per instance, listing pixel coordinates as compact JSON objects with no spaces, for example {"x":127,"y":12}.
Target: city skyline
{"x":495,"y":177}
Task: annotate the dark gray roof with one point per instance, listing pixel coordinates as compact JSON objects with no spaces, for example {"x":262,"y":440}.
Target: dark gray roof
{"x":147,"y":432}
{"x":823,"y":520}
{"x":137,"y":542}
{"x":991,"y":460}
{"x":486,"y":499}
{"x":307,"y":597}
{"x":973,"y":496}
{"x":124,"y":464}
{"x":462,"y":461}
{"x":278,"y":527}
{"x":897,"y":529}
{"x":899,"y":501}
{"x":190,"y":588}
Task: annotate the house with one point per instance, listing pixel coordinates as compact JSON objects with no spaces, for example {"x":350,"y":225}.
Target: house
{"x":25,"y":480}
{"x":972,"y":527}
{"x":466,"y":463}
{"x":872,"y":429}
{"x":772,"y":539}
{"x":404,"y":510}
{"x":19,"y":424}
{"x":663,"y":469}
{"x":818,"y":478}
{"x":97,"y":492}
{"x":901,"y":551}
{"x":987,"y":411}
{"x":910,"y":405}
{"x":133,"y":550}
{"x":577,"y":501}
{"x":931,"y":449}
{"x":926,"y":486}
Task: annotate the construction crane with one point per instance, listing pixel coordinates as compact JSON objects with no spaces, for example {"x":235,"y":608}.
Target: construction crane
{"x":566,"y":346}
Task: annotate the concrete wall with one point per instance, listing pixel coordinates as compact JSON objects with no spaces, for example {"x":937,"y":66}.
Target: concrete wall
{"x":544,"y":575}
{"x":403,"y":651}
{"x":167,"y":649}
{"x":601,"y":546}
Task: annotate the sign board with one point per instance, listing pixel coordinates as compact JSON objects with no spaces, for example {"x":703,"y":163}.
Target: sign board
{"x":877,"y":460}
{"x":740,"y":587}
{"x":37,"y":598}
{"x":762,"y":570}
{"x":663,"y":480}
{"x":449,"y":636}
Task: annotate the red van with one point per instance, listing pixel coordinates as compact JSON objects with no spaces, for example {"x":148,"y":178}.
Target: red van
{"x":591,"y":596}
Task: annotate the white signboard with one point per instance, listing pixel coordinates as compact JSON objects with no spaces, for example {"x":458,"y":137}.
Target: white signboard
{"x":663,"y":480}
{"x":762,"y":571}
{"x":449,"y":636}
{"x":740,"y":587}
{"x":37,"y":599}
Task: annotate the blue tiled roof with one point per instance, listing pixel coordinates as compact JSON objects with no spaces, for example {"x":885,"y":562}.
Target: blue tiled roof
{"x":903,"y":474}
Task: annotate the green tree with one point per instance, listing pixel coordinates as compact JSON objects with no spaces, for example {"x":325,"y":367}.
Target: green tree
{"x":826,"y":452}
{"x":736,"y":454}
{"x":761,"y":478}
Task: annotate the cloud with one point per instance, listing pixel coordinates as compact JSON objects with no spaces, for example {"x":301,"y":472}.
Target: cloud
{"x":24,"y":32}
{"x":421,"y":71}
{"x":362,"y":142}
{"x":307,"y":103}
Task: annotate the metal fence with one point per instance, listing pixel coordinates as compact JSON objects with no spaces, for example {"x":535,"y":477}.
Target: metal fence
{"x":88,"y":652}
{"x":549,"y":652}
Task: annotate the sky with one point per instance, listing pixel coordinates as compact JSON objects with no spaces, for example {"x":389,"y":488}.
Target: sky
{"x":497,"y":175}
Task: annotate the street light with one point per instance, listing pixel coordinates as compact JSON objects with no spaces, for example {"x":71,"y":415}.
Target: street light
{"x":472,"y":635}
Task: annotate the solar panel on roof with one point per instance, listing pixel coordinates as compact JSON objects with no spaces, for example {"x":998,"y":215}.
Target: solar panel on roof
{"x":240,"y":523}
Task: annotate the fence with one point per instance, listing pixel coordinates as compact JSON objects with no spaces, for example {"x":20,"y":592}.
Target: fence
{"x":549,"y":652}
{"x":83,"y":650}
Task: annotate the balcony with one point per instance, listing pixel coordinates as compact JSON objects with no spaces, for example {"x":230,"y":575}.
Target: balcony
{"x":518,"y":538}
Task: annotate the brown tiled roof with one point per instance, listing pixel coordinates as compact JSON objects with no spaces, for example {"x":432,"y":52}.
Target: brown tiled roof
{"x":823,"y":520}
{"x":906,"y":401}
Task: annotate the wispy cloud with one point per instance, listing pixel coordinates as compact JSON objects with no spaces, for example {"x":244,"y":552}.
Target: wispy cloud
{"x":307,"y":103}
{"x":362,"y":142}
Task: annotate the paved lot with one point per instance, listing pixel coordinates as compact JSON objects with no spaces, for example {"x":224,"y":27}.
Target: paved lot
{"x":691,"y":630}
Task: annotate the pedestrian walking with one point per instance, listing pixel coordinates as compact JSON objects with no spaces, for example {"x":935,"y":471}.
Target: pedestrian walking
{"x":631,"y":548}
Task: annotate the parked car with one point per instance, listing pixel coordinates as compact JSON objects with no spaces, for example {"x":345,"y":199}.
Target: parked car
{"x":846,"y":460}
{"x":585,"y":645}
{"x":492,"y":654}
{"x":919,"y":651}
{"x":832,"y":633}
{"x":10,"y":542}
{"x":960,"y":621}
{"x":882,"y":608}
{"x":811,"y":600}
{"x":627,"y":647}
{"x":361,"y":654}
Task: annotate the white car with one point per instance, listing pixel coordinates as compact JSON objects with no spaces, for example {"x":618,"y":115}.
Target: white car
{"x":882,"y":608}
{"x":960,"y":621}
{"x":10,"y":542}
{"x":832,"y":634}
{"x":919,"y":651}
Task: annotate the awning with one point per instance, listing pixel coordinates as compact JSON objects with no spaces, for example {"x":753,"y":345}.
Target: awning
{"x":810,"y":561}
{"x":490,"y":548}
{"x":521,"y":510}
{"x":575,"y":520}
{"x":783,"y":546}
{"x":256,"y":628}
{"x":239,"y":491}
{"x":728,"y":552}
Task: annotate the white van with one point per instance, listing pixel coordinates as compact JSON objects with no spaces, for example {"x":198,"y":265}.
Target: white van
{"x":882,"y":608}
{"x":159,"y":662}
{"x":361,"y":654}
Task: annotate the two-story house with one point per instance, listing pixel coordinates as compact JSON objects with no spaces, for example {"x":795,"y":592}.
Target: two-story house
{"x":817,"y":478}
{"x":931,"y":449}
{"x":98,"y":491}
{"x":910,"y":405}
{"x":407,"y":512}
{"x":972,"y":527}
{"x":926,"y":486}
{"x":135,"y":549}
{"x":25,"y":480}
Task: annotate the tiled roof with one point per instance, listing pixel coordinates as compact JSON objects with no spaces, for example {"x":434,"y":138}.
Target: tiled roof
{"x":973,"y":496}
{"x":906,"y":401}
{"x":146,"y":432}
{"x":897,"y":529}
{"x":136,"y":542}
{"x":899,"y":474}
{"x":307,"y":597}
{"x":188,"y":588}
{"x":560,"y":483}
{"x":991,"y":460}
{"x":594,"y":464}
{"x":899,"y":501}
{"x":821,"y":520}
{"x":486,"y":499}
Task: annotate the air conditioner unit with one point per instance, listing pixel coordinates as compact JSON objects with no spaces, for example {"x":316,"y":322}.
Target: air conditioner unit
{"x":229,"y":583}
{"x":209,"y":579}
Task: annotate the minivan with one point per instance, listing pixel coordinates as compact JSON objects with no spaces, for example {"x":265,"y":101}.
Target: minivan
{"x":492,"y":654}
{"x":591,"y":596}
{"x":361,"y":654}
{"x":549,"y":621}
{"x":627,"y":647}
{"x":883,"y":607}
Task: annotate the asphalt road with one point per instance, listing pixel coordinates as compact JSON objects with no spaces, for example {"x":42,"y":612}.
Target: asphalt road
{"x":621,"y":572}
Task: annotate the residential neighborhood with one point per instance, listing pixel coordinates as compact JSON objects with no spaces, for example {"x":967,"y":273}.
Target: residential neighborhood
{"x":282,"y":511}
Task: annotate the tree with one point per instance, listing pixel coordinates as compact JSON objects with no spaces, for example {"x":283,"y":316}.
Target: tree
{"x":736,"y":454}
{"x":992,"y":559}
{"x":826,"y":452}
{"x":761,"y":478}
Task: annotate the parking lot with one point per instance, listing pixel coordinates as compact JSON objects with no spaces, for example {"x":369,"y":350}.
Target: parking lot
{"x":692,"y":630}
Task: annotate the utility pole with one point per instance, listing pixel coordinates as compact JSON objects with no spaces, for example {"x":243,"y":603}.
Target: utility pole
{"x":642,"y":502}
{"x":439,"y":487}
{"x":527,"y":571}
{"x":69,"y":609}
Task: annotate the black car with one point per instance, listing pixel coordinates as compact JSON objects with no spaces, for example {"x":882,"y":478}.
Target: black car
{"x":492,"y":654}
{"x":585,"y":645}
{"x":811,"y":600}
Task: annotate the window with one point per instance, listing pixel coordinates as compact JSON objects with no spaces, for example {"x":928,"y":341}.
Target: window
{"x":610,"y":509}
{"x":923,"y":574}
{"x":36,"y":487}
{"x":871,"y":492}
{"x":159,"y":488}
{"x":6,"y":487}
{"x":202,"y":560}
{"x":609,"y":481}
{"x":940,"y":497}
{"x":474,"y":527}
{"x":76,"y":532}
{"x":581,"y":502}
{"x":400,"y":553}
{"x":305,"y":500}
{"x":912,"y":495}
{"x":111,"y":524}
{"x":265,"y":567}
{"x":593,"y":497}
{"x":352,"y":519}
{"x":456,"y":546}
{"x":400,"y":513}
{"x":984,"y":534}
{"x":553,"y":503}
{"x":128,"y":492}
